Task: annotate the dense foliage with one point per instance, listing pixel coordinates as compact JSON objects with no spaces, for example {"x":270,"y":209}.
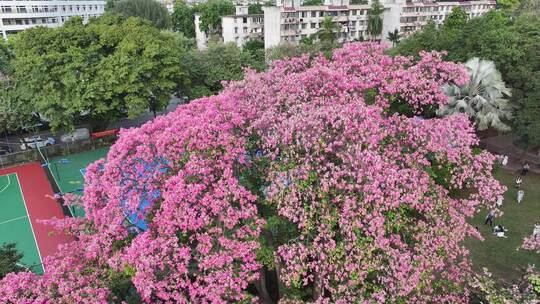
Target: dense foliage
{"x":305,"y":176}
{"x":375,"y":19}
{"x":10,"y":258}
{"x":183,"y":18}
{"x":510,"y":41}
{"x":210,"y":12}
{"x":484,"y":97}
{"x":218,"y":63}
{"x":151,"y":10}
{"x":106,"y":69}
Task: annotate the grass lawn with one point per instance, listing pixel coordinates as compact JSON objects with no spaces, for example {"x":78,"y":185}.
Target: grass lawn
{"x":499,"y":255}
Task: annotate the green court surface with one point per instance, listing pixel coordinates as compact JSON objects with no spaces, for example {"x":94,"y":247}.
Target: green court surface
{"x":67,"y":171}
{"x":15,"y":224}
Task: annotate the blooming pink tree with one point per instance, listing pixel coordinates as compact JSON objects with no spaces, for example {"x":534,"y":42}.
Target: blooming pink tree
{"x":329,"y":174}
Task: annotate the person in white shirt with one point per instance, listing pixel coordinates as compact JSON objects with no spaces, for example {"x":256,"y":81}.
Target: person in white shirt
{"x":500,"y":200}
{"x":504,"y":161}
{"x":536,"y":230}
{"x":499,"y":231}
{"x":520,"y":195}
{"x":519,"y":181}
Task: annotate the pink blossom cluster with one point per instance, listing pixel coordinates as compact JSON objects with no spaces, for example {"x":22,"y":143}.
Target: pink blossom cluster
{"x":379,"y":200}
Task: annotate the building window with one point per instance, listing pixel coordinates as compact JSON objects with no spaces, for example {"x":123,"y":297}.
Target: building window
{"x":313,"y":25}
{"x":244,"y":20}
{"x":245,"y":30}
{"x":6,"y":9}
{"x":313,"y":14}
{"x":321,"y":14}
{"x":304,"y":26}
{"x":236,"y":30}
{"x":21,"y":9}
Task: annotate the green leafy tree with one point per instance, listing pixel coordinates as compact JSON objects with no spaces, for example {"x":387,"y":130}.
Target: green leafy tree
{"x":5,"y":57}
{"x":426,"y":39}
{"x":375,"y":20}
{"x":9,"y":259}
{"x":484,"y":98}
{"x":151,"y":10}
{"x":109,"y":5}
{"x":327,"y":31}
{"x":394,"y":37}
{"x":208,"y":68}
{"x":211,"y":13}
{"x":255,"y":8}
{"x":255,"y":48}
{"x":106,"y":69}
{"x":456,"y":19}
{"x":287,"y":50}
{"x":527,"y":7}
{"x":14,"y":111}
{"x":358,"y":2}
{"x":183,"y":19}
{"x":308,"y":40}
{"x":508,"y":5}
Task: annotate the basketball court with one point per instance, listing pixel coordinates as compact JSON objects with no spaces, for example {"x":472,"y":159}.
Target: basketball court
{"x":26,"y":197}
{"x":68,"y":172}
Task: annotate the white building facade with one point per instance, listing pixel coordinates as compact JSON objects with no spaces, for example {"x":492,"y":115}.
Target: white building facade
{"x":16,"y":16}
{"x":289,"y":22}
{"x":411,"y":16}
{"x":242,"y":27}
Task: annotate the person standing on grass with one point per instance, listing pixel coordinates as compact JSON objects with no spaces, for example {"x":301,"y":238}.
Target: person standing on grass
{"x":525,"y":169}
{"x":536,"y":230}
{"x":504,"y":161}
{"x":489,"y":218}
{"x":500,"y":200}
{"x":520,"y":195}
{"x":519,"y":181}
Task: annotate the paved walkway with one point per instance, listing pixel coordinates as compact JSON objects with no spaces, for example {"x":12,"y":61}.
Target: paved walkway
{"x":504,"y":144}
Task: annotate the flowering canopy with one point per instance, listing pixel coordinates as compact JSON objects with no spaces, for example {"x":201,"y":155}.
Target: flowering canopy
{"x":375,"y":197}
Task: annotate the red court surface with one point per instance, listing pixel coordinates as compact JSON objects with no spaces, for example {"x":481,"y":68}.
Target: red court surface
{"x":41,"y":205}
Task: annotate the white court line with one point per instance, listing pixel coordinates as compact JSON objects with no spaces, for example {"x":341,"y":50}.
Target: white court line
{"x":8,"y":183}
{"x":30,"y":221}
{"x":13,"y":219}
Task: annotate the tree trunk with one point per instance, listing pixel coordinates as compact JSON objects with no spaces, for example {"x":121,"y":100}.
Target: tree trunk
{"x":260,"y":284}
{"x":318,"y":288}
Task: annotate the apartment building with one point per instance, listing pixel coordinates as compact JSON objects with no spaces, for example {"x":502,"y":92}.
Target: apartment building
{"x":16,"y":16}
{"x":411,"y":16}
{"x":289,"y":22}
{"x":242,"y":27}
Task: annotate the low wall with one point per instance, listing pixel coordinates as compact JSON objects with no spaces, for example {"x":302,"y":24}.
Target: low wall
{"x":50,"y":151}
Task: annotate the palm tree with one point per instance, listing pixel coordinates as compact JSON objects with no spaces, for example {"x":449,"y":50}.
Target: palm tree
{"x":327,"y":32}
{"x":375,"y":21}
{"x":394,"y":37}
{"x":483,"y":98}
